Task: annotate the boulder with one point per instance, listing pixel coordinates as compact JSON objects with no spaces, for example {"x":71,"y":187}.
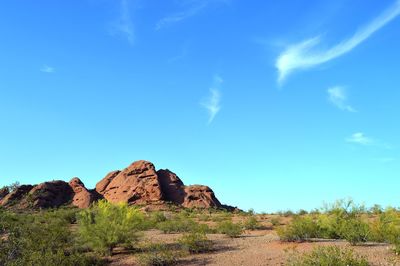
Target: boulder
{"x":198,"y":196}
{"x":82,"y":197}
{"x":136,"y":184}
{"x":50,"y":195}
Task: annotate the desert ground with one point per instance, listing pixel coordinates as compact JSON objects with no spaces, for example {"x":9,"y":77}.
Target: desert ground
{"x":259,"y":247}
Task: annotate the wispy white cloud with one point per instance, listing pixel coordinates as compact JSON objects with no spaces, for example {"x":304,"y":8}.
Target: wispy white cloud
{"x":47,"y":69}
{"x":123,"y":26}
{"x":306,"y":54}
{"x":212,"y":103}
{"x":194,"y":7}
{"x":337,"y":95}
{"x":360,"y":138}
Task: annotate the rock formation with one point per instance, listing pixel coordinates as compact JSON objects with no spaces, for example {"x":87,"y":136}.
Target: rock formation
{"x":82,"y":197}
{"x":172,"y":186}
{"x":139,"y":183}
{"x":136,"y":184}
{"x":16,"y":195}
{"x":4,"y":192}
{"x":198,"y":196}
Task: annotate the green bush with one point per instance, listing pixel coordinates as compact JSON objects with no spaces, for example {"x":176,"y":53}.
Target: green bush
{"x":195,"y":242}
{"x":177,"y":226}
{"x":276,"y":221}
{"x":386,"y":227}
{"x":328,"y":256}
{"x":39,"y":240}
{"x":354,"y":230}
{"x":106,"y":225}
{"x":344,"y":220}
{"x":251,"y":223}
{"x":301,"y":228}
{"x":158,"y":255}
{"x":230,"y":229}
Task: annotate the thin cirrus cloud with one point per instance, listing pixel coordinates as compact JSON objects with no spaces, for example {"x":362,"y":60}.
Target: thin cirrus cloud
{"x":338,"y":97}
{"x":47,"y":69}
{"x":305,"y":55}
{"x":123,"y":25}
{"x":195,"y":7}
{"x":213,"y":103}
{"x":360,"y":138}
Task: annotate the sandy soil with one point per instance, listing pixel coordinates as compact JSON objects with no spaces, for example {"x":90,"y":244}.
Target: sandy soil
{"x":260,"y":247}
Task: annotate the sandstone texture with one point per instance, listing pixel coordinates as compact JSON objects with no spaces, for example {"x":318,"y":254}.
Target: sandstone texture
{"x":82,"y":197}
{"x":136,"y":184}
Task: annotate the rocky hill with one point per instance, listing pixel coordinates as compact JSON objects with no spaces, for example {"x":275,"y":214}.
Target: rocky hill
{"x":139,"y":183}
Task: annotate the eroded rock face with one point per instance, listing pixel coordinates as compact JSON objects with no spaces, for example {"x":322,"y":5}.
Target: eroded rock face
{"x":4,"y":192}
{"x":14,"y":197}
{"x":198,"y":196}
{"x":103,"y":184}
{"x":136,"y":184}
{"x":50,"y":195}
{"x":172,"y":186}
{"x":82,"y":197}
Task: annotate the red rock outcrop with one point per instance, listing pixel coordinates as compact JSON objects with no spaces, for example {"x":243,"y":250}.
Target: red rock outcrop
{"x":50,"y":195}
{"x":4,"y":192}
{"x":172,"y":186}
{"x":14,"y":197}
{"x":103,"y":184}
{"x":198,"y":196}
{"x":82,"y":197}
{"x":136,"y":184}
{"x":139,"y":183}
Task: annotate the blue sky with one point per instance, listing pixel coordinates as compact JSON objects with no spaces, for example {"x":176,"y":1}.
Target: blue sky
{"x":274,"y":104}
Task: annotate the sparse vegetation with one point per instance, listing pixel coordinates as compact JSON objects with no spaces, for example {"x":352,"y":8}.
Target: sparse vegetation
{"x":157,"y":254}
{"x":328,"y":256}
{"x":70,"y":236}
{"x":301,"y":228}
{"x":196,"y":242}
{"x":251,"y":223}
{"x":230,"y":229}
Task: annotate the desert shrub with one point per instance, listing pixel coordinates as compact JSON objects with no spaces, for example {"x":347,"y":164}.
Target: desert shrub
{"x":204,"y":217}
{"x":328,"y":256}
{"x":195,"y":242}
{"x":344,"y":220}
{"x":302,"y":212}
{"x":276,"y":221}
{"x":38,"y":240}
{"x":158,"y":255}
{"x":386,"y":227}
{"x":222,"y":216}
{"x":286,"y":213}
{"x":251,"y":223}
{"x":67,"y":214}
{"x":106,"y":225}
{"x":230,"y":229}
{"x":376,"y":209}
{"x":177,"y":225}
{"x":182,"y":224}
{"x":354,"y":230}
{"x":301,"y":228}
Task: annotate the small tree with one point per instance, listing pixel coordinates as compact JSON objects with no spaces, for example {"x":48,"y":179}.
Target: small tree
{"x":106,"y":225}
